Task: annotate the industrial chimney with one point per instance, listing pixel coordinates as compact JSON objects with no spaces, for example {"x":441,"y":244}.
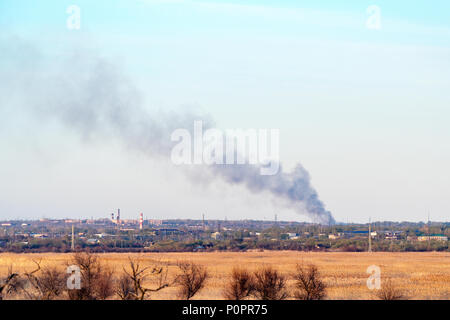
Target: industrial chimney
{"x":118,"y":217}
{"x":141,"y":221}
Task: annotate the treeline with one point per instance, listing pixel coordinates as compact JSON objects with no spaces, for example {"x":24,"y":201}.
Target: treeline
{"x":342,"y":245}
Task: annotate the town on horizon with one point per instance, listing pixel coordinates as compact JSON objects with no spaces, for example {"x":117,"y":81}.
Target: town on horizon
{"x":156,"y":235}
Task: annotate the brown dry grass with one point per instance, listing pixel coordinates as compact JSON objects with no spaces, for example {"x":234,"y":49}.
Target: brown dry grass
{"x":418,"y":275}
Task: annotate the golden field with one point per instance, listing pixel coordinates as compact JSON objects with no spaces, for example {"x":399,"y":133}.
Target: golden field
{"x":419,"y":275}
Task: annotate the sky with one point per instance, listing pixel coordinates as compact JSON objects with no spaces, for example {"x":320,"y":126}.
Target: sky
{"x":364,"y":110}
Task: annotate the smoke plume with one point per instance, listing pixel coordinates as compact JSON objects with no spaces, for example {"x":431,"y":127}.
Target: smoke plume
{"x":90,"y":95}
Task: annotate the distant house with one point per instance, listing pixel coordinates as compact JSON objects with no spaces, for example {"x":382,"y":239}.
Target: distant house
{"x":39,"y":235}
{"x":393,"y":235}
{"x":292,"y":235}
{"x":333,"y":236}
{"x":435,"y":237}
{"x":101,"y":235}
{"x":216,"y":235}
{"x":92,"y":241}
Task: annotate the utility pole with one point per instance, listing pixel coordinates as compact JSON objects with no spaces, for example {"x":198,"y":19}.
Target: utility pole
{"x":370,"y":237}
{"x":428,"y":231}
{"x":73,"y":239}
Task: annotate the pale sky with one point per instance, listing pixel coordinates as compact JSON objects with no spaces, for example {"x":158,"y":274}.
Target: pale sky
{"x":365,"y":111}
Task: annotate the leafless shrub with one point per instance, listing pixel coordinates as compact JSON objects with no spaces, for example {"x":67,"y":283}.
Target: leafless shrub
{"x":124,"y":288}
{"x":191,"y":279}
{"x":388,"y":291}
{"x":96,"y":280}
{"x":131,"y":285}
{"x":269,"y":284}
{"x":10,"y":284}
{"x":308,"y":283}
{"x":104,"y":287}
{"x":240,"y":286}
{"x":44,"y":283}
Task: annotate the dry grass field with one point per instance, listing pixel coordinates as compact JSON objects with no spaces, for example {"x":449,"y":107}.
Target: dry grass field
{"x":419,"y":275}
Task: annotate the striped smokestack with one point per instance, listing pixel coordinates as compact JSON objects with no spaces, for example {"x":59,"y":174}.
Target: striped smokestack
{"x":141,"y":221}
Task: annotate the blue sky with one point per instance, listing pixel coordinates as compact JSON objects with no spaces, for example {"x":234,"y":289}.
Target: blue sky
{"x":365,"y":111}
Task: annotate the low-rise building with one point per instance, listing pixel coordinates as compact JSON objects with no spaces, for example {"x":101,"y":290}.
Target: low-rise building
{"x":435,"y":237}
{"x":39,"y":235}
{"x":216,"y":235}
{"x":92,"y":241}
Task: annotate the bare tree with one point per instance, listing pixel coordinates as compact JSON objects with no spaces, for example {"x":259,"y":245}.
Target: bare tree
{"x":10,"y":284}
{"x":269,"y":284}
{"x":388,"y":291}
{"x":240,"y":286}
{"x":131,"y":285}
{"x":44,"y":283}
{"x":308,"y":283}
{"x":191,"y":279}
{"x":96,"y":279}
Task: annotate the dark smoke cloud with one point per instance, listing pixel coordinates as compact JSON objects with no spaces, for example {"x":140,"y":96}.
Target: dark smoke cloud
{"x":89,"y":95}
{"x":294,"y":187}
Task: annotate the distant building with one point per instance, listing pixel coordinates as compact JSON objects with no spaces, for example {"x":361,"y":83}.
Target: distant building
{"x":216,"y":235}
{"x":333,"y":236}
{"x":436,"y":237}
{"x":393,"y":235}
{"x":39,"y":235}
{"x":155,"y":222}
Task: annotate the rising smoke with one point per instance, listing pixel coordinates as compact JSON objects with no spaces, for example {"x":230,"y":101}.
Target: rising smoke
{"x":89,"y":95}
